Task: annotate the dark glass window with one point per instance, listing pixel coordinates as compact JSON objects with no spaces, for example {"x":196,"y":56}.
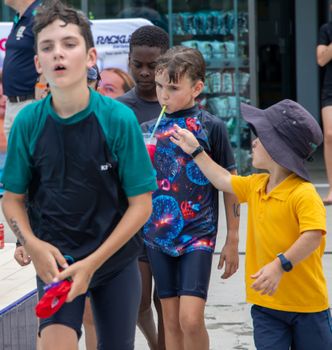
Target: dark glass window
{"x":6,"y":13}
{"x":150,"y":9}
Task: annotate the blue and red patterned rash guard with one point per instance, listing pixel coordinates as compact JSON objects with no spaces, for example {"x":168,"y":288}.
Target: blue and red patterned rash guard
{"x":185,"y":205}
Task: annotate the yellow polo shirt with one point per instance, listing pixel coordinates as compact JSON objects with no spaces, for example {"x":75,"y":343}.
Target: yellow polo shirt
{"x":275,"y":221}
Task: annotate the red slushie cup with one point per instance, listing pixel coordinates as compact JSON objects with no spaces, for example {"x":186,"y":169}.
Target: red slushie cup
{"x":150,"y":143}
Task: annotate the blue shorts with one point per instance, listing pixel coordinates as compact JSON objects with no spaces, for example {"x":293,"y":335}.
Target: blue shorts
{"x":188,"y":274}
{"x":143,"y":257}
{"x":326,"y":98}
{"x":281,"y":330}
{"x":115,"y":308}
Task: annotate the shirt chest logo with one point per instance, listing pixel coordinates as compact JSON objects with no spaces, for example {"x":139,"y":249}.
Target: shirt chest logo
{"x":20,"y":33}
{"x":105,"y":167}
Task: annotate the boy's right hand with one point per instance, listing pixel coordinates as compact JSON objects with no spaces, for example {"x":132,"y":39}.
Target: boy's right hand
{"x":80,"y":273}
{"x":21,"y":256}
{"x":46,"y":259}
{"x":184,"y":139}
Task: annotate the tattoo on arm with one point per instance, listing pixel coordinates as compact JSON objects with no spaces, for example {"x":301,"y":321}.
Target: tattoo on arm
{"x":17,"y":231}
{"x":236,"y":210}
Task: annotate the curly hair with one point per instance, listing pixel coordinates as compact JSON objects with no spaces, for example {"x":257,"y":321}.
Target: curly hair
{"x":151,"y":36}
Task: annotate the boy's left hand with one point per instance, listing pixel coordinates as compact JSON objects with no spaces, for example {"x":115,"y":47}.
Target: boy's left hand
{"x":184,"y":139}
{"x":268,"y":278}
{"x":81,"y":273}
{"x":230,"y":257}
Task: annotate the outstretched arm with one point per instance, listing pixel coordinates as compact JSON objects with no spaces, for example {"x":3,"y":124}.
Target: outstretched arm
{"x":229,"y":255}
{"x":218,"y":176}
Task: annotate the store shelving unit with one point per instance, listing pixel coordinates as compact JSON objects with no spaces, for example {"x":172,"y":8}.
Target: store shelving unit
{"x":220,"y":30}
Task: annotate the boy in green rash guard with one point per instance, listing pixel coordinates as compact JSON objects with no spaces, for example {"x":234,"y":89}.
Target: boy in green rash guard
{"x":24,"y":259}
{"x":81,"y":160}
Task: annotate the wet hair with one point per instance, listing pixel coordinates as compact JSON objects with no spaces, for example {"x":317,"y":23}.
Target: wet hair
{"x":179,"y":61}
{"x":128,"y":82}
{"x":151,"y":36}
{"x":53,"y":10}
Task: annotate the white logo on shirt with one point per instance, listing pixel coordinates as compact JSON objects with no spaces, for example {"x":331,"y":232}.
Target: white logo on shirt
{"x":19,"y":34}
{"x":106,"y":166}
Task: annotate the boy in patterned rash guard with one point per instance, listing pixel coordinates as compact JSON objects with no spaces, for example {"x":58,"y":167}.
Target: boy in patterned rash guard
{"x":181,"y":233}
{"x":147,"y":43}
{"x":81,"y":159}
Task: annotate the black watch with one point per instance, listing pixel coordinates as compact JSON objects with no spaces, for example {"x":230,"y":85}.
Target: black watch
{"x":285,"y":263}
{"x":197,"y":151}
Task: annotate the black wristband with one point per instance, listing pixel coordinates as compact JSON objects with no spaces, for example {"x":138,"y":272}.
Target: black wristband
{"x":197,"y":151}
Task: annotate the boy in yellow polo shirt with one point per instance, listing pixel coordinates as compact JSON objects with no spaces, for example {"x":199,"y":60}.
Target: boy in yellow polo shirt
{"x":286,"y":227}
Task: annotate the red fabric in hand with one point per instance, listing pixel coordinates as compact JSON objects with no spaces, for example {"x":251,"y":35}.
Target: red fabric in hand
{"x":53,"y":299}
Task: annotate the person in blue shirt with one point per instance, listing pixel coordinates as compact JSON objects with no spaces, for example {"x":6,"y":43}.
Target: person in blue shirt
{"x":80,"y":160}
{"x":19,"y":71}
{"x":180,"y":235}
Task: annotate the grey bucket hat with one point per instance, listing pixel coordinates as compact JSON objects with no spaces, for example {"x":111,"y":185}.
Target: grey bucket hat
{"x":288,"y":132}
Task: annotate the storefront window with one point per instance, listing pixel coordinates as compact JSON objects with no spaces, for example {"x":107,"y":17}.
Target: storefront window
{"x":219,"y":29}
{"x":152,"y":10}
{"x":100,"y":9}
{"x":75,"y":3}
{"x":6,"y":13}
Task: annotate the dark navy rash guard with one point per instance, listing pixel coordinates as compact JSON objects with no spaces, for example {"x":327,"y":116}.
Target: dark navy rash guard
{"x":78,"y":173}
